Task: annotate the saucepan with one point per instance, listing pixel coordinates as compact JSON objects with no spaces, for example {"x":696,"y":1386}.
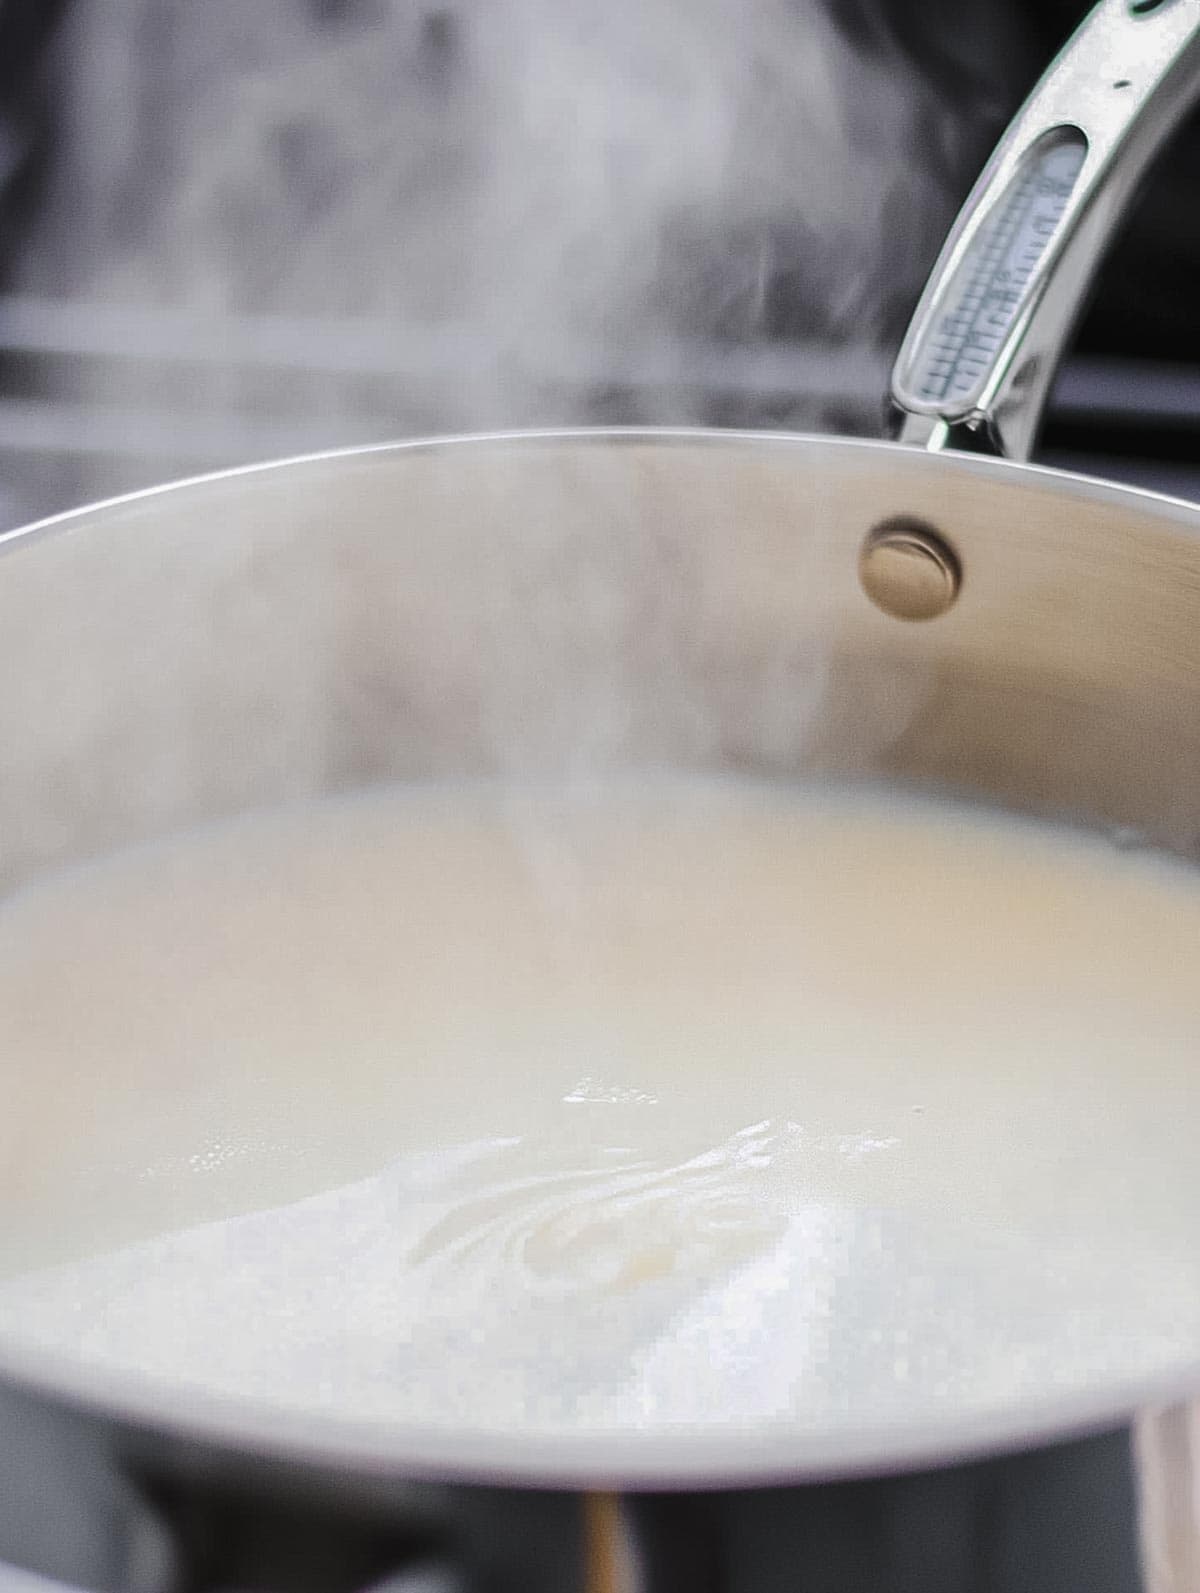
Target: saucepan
{"x":927,"y":612}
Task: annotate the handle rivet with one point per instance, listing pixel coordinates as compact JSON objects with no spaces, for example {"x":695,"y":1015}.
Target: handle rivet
{"x":908,"y":570}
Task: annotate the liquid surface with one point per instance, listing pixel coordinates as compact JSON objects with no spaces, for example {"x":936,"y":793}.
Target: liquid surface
{"x":676,"y":1107}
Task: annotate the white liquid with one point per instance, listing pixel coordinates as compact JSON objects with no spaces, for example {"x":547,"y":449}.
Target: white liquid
{"x":685,"y":1105}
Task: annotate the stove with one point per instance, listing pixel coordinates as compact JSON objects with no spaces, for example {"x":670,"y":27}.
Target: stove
{"x":1063,"y":1520}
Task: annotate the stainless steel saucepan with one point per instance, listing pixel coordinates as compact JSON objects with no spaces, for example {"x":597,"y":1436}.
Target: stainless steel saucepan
{"x":925,"y":611}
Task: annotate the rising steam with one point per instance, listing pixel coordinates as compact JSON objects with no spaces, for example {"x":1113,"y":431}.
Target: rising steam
{"x":289,"y":224}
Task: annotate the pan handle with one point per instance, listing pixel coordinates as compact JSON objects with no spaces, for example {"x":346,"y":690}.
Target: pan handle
{"x":976,"y":364}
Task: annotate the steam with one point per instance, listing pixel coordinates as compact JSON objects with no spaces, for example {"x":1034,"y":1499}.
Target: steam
{"x":287,"y":225}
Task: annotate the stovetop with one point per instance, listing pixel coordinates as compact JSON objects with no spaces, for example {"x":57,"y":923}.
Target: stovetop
{"x":1059,"y":1520}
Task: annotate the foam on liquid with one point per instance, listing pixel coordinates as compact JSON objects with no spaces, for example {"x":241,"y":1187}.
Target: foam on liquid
{"x":682,"y":1104}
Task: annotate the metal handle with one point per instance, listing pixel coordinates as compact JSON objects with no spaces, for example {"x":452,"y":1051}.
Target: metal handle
{"x":979,"y":355}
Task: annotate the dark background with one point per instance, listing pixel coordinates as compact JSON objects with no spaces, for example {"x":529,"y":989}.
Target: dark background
{"x":1128,"y":402}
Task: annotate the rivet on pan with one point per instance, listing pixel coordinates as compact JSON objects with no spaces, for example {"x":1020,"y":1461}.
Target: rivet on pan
{"x":908,"y":571}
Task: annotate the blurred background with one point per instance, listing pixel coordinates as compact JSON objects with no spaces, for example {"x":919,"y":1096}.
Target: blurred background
{"x":232,"y":231}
